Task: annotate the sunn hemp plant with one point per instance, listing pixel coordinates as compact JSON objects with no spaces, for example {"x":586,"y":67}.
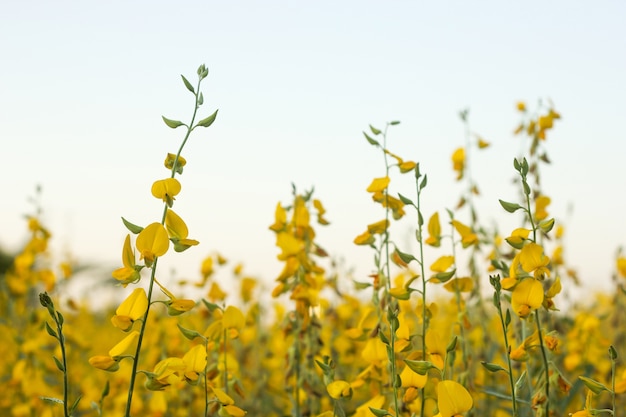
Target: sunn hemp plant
{"x":415,"y":338}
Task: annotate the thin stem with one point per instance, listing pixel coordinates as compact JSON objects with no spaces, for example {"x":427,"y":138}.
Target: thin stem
{"x":144,"y":322}
{"x":65,"y":382}
{"x":420,"y":229}
{"x":389,"y":299}
{"x":545,"y":362}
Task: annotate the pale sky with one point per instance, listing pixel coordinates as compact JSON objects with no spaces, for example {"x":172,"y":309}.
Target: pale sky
{"x":83,"y":86}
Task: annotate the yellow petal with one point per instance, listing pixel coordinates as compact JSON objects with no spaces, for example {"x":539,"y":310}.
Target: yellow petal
{"x":176,"y":227}
{"x":378,"y":184}
{"x":135,"y":305}
{"x":195,"y":359}
{"x":442,"y":264}
{"x":453,"y":398}
{"x":527,"y":296}
{"x":152,"y":242}
{"x":126,"y":346}
{"x":166,"y":189}
{"x":233,"y":318}
{"x":338,"y":389}
{"x":222,"y":397}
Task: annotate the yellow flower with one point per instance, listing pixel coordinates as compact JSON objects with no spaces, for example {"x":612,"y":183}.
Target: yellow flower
{"x":521,"y":106}
{"x":527,"y":296}
{"x":458,"y":162}
{"x":442,"y":263}
{"x":178,"y":232}
{"x":166,"y":190}
{"x":339,"y":389}
{"x":378,"y":228}
{"x":378,"y":184}
{"x":152,"y":242}
{"x":452,"y":399}
{"x":374,"y":351}
{"x":434,"y":231}
{"x":195,"y":361}
{"x":364,"y":238}
{"x":532,"y":258}
{"x":621,"y":266}
{"x":410,"y":378}
{"x":130,"y":310}
{"x":129,"y":273}
{"x":123,"y":349}
{"x":169,"y":162}
{"x":540,"y":207}
{"x":467,"y":236}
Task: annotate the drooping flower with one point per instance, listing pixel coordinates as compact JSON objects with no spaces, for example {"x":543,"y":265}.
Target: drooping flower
{"x":129,"y":273}
{"x":467,"y":236}
{"x":458,"y":162}
{"x":177,"y":229}
{"x":131,"y":309}
{"x":434,"y":231}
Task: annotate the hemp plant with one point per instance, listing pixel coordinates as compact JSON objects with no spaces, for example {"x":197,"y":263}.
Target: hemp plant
{"x":386,"y":303}
{"x":153,"y":242}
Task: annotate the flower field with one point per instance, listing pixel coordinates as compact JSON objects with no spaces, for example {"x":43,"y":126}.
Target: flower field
{"x":482,"y":328}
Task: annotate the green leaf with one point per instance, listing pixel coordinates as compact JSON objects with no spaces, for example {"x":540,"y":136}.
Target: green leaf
{"x":59,"y":364}
{"x":105,"y":391}
{"x":405,"y":200}
{"x":60,"y":318}
{"x":75,"y":404}
{"x":383,"y":338}
{"x":421,"y":367}
{"x":395,"y":122}
{"x":172,"y":123}
{"x":188,"y":84}
{"x":52,"y":400}
{"x":200,"y":99}
{"x":492,"y":367}
{"x":189,"y":334}
{"x":361,"y":285}
{"x":51,"y":332}
{"x":612,"y":353}
{"x":325,"y":368}
{"x":378,"y":412}
{"x":516,"y":165}
{"x":371,"y":140}
{"x":133,"y":228}
{"x":424,"y":182}
{"x":375,"y":131}
{"x":507,"y":318}
{"x":510,"y":207}
{"x":208,"y":121}
{"x":452,"y":345}
{"x":445,"y":276}
{"x":211,"y":306}
{"x":546,"y":225}
{"x":595,"y":386}
{"x":406,"y":257}
{"x":526,"y":188}
{"x":521,"y":381}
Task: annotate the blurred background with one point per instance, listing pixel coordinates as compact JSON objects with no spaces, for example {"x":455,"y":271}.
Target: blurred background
{"x":83,"y":86}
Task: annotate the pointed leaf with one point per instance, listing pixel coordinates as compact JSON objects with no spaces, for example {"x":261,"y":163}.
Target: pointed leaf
{"x":75,"y":404}
{"x":59,"y":364}
{"x":371,"y":140}
{"x":375,"y":131}
{"x":378,"y":412}
{"x":50,"y":331}
{"x":133,"y":228}
{"x":208,"y":121}
{"x":492,"y":367}
{"x":510,"y":207}
{"x":405,"y":200}
{"x":188,"y":84}
{"x":172,"y":123}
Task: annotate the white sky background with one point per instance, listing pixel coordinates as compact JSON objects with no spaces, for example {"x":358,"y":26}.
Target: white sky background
{"x":83,"y":86}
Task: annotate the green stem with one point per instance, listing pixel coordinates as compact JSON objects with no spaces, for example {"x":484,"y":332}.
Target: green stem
{"x":144,"y":322}
{"x":389,"y":299}
{"x":507,"y":350}
{"x":545,"y":362}
{"x":420,"y":229}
